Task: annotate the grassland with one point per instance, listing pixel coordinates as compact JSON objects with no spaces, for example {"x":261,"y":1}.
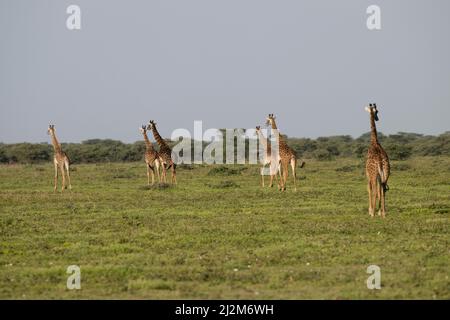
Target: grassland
{"x":218,"y":234}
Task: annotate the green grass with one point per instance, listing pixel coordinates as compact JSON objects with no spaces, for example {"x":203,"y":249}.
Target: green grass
{"x":218,"y":234}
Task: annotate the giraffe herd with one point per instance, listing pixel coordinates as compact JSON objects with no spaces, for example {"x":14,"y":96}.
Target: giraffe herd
{"x":279,"y":160}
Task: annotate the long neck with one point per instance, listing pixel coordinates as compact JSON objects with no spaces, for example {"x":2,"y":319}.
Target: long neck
{"x":273,"y":124}
{"x":158,"y":138}
{"x":55,"y":143}
{"x":148,"y":144}
{"x":373,"y":130}
{"x":276,"y":132}
{"x":263,"y":141}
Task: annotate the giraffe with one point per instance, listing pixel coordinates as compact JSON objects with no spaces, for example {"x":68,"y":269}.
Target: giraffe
{"x":151,"y":157}
{"x":60,"y":160}
{"x":287,"y":154}
{"x":165,"y":154}
{"x":377,"y":167}
{"x":271,"y":159}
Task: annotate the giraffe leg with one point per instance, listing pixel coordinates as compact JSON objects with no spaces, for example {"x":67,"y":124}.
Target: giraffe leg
{"x":174,"y":174}
{"x":280,"y":185}
{"x":379,"y":198}
{"x":294,"y":174}
{"x":273,"y":172}
{"x":262,"y":176}
{"x":378,"y":189}
{"x":165,"y":174}
{"x":374,"y":197}
{"x":67,"y":166}
{"x":164,"y":178}
{"x":152,"y":168}
{"x":369,"y":191}
{"x":279,"y":174}
{"x":61,"y":169}
{"x":383,"y":202}
{"x":271,"y":175}
{"x":56,"y":176}
{"x":157,"y":165}
{"x":285,"y":166}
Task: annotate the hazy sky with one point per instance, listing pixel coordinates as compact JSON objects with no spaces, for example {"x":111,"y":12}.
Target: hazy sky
{"x":226,"y":62}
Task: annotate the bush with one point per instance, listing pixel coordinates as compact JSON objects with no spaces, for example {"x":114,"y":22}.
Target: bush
{"x":322,"y":155}
{"x":399,"y":146}
{"x":225,"y":171}
{"x":398,"y":151}
{"x":3,"y":157}
{"x":27,"y":153}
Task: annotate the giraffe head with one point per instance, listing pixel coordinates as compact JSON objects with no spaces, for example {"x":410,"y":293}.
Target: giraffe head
{"x":143,"y":129}
{"x":372,"y":109}
{"x":270,"y":119}
{"x":258,"y":128}
{"x":151,"y":124}
{"x":51,"y":129}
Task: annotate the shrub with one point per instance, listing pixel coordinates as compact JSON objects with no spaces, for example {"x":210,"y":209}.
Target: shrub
{"x":28,"y":153}
{"x":226,"y":171}
{"x":3,"y":157}
{"x":398,"y":151}
{"x":322,"y":155}
{"x":399,"y":146}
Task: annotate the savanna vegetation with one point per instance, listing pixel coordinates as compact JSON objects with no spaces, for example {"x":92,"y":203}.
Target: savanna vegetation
{"x":218,"y":234}
{"x":399,"y":146}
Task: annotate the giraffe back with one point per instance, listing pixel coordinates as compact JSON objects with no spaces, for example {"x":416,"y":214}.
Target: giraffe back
{"x":286,"y":152}
{"x":377,"y":163}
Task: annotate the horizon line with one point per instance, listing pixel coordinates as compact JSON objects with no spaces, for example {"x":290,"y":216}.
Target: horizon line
{"x":288,"y":137}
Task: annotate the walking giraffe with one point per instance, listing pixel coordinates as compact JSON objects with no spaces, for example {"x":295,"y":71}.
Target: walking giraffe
{"x":287,"y":155}
{"x":60,"y":160}
{"x":270,"y":158}
{"x":151,"y":157}
{"x":165,"y":154}
{"x":377,"y":167}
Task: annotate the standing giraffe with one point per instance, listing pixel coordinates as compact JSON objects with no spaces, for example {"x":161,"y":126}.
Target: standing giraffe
{"x":60,"y":160}
{"x":271,"y":159}
{"x":377,"y":167}
{"x":287,"y":154}
{"x":165,"y":154}
{"x":151,"y":157}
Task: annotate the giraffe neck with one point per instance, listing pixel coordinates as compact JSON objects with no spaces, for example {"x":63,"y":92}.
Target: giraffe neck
{"x":55,"y":143}
{"x":373,"y":130}
{"x":148,"y":144}
{"x":158,"y":138}
{"x":263,"y":141}
{"x":273,"y":124}
{"x":276,"y":132}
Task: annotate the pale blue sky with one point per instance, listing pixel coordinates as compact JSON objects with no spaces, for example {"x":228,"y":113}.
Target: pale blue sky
{"x":226,"y":62}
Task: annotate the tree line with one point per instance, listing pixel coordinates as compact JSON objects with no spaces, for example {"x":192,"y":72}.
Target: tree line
{"x":400,"y":146}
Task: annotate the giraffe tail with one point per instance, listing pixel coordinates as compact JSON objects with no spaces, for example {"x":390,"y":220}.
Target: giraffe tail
{"x":382,"y":179}
{"x":302,"y":163}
